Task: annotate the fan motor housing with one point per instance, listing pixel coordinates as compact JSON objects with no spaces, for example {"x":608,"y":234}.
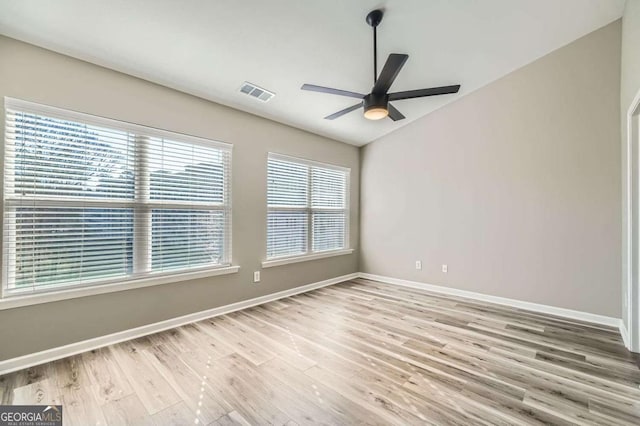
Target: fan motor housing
{"x":376,"y":100}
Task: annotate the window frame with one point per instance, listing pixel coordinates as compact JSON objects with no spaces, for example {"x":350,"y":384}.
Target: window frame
{"x":310,"y":254}
{"x":141,"y":249}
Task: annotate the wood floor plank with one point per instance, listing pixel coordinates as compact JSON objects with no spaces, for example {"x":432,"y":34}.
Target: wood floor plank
{"x":176,"y":415}
{"x":363,"y":393}
{"x":338,"y":359}
{"x":43,"y":392}
{"x":572,"y":413}
{"x":110,"y":380}
{"x":244,"y":391}
{"x":71,"y":373}
{"x":490,"y":408}
{"x":293,"y":357}
{"x":232,"y":419}
{"x":12,"y":381}
{"x":333,"y":355}
{"x":615,"y":410}
{"x":80,"y":407}
{"x":187,"y":384}
{"x":126,"y":411}
{"x":359,"y":352}
{"x":310,"y":408}
{"x":235,"y":338}
{"x":152,"y":389}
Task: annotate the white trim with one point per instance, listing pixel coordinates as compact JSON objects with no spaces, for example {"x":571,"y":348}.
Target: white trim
{"x":545,"y":309}
{"x":310,"y":210}
{"x":347,"y":204}
{"x":304,"y":258}
{"x":624,"y":333}
{"x":18,"y":363}
{"x":10,"y":302}
{"x":142,"y":275}
{"x":68,"y":114}
{"x":307,"y":162}
{"x":631,"y":230}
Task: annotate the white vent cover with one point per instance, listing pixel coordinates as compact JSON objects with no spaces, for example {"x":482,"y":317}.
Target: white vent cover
{"x":256,"y":92}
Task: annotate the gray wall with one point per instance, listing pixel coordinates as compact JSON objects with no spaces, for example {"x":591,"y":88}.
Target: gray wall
{"x":629,"y":87}
{"x":516,"y":186}
{"x":34,"y":74}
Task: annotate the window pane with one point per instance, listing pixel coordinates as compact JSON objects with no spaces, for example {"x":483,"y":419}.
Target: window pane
{"x":328,"y":230}
{"x":62,"y":158}
{"x":186,"y":172}
{"x":56,"y":246}
{"x":187,"y":238}
{"x":328,"y":188}
{"x":287,"y":184}
{"x":286,"y":233}
{"x":296,"y":191}
{"x":80,"y":193}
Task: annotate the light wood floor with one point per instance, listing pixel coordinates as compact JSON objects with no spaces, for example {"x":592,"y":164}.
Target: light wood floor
{"x":359,"y":352}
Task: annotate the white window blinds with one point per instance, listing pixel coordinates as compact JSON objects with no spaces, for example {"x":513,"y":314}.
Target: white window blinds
{"x":91,"y":201}
{"x":307,"y":207}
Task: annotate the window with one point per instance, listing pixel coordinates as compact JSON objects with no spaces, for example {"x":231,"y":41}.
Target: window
{"x":307,"y":207}
{"x":92,"y":201}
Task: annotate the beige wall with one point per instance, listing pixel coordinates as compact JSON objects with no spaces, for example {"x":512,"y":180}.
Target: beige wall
{"x":516,"y":186}
{"x":630,"y":72}
{"x":34,"y":74}
{"x":629,"y":88}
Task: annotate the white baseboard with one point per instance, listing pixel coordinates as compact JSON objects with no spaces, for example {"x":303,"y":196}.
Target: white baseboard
{"x":626,"y":337}
{"x":14,"y":364}
{"x":535,"y":307}
{"x":625,"y":334}
{"x":19,"y":363}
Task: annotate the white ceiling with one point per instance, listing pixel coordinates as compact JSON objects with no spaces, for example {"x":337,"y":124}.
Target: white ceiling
{"x":209,"y":47}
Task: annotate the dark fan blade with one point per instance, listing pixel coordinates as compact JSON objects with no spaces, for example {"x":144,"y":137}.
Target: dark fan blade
{"x":394,"y":114}
{"x":444,"y":90}
{"x":343,"y":112}
{"x":321,"y":89}
{"x":392,"y":67}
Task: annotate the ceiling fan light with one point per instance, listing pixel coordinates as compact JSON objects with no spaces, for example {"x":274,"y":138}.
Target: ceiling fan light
{"x":376,"y":113}
{"x":376,"y":106}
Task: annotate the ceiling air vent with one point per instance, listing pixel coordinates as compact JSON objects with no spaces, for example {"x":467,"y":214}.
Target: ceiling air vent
{"x":256,"y":92}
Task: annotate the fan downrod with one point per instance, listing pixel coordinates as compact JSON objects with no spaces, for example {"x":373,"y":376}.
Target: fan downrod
{"x":373,"y":19}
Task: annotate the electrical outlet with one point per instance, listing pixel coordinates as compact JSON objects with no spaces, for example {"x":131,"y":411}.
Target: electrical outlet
{"x":418,"y":264}
{"x":445,"y":268}
{"x":256,"y":277}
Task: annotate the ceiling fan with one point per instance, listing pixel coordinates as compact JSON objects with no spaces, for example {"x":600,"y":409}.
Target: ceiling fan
{"x":376,"y":104}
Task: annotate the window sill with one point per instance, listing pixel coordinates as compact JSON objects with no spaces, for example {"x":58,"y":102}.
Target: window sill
{"x":16,"y":301}
{"x":296,"y":259}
